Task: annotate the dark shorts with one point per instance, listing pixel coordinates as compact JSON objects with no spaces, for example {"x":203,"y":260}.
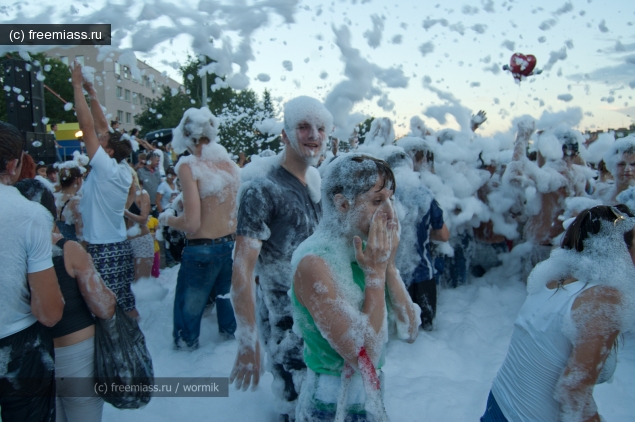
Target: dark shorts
{"x":493,"y":413}
{"x":115,"y":264}
{"x":27,"y":388}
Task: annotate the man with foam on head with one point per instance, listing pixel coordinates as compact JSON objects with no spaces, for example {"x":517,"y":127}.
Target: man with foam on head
{"x":209,"y":181}
{"x":277,"y":212}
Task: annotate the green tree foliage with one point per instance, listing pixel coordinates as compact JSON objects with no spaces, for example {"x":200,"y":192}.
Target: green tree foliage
{"x":363,"y":129}
{"x":163,"y":112}
{"x":240,"y":112}
{"x":193,"y":84}
{"x":56,"y":77}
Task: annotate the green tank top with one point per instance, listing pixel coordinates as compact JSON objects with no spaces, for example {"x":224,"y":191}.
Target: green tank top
{"x":318,"y":353}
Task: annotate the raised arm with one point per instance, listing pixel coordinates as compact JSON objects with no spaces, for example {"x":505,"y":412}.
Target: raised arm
{"x":99,"y":298}
{"x":595,"y":316}
{"x":84,"y":117}
{"x":525,"y":130}
{"x":190,"y":220}
{"x":101,"y":124}
{"x":246,"y":370}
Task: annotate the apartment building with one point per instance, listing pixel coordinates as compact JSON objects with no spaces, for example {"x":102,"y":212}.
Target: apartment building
{"x":118,"y":90}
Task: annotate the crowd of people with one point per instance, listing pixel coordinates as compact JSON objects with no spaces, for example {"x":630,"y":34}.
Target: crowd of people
{"x":317,"y":258}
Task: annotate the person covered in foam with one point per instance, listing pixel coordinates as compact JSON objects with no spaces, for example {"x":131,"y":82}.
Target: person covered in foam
{"x":545,"y":187}
{"x":279,"y":208}
{"x":620,"y":162}
{"x":421,"y":220}
{"x":564,"y":338}
{"x":210,"y":182}
{"x":345,"y":284}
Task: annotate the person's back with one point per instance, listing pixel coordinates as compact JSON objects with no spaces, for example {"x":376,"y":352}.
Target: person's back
{"x":538,"y":353}
{"x":20,"y":220}
{"x":217,"y":183}
{"x":31,"y":298}
{"x":104,"y":199}
{"x":104,"y":194}
{"x":210,"y":182}
{"x":73,"y":336}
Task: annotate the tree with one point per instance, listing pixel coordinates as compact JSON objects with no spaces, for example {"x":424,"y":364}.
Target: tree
{"x":193,"y":85}
{"x":239,"y":112}
{"x":163,"y":112}
{"x":56,"y":77}
{"x":363,"y":128}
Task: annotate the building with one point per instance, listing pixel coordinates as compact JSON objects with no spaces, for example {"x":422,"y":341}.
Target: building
{"x":118,"y":90}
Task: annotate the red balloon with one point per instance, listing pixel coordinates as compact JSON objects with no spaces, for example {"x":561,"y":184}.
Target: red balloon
{"x":521,"y":65}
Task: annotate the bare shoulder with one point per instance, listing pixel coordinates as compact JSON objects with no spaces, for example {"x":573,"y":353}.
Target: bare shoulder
{"x":597,"y":296}
{"x":312,"y":276}
{"x":184,"y":170}
{"x":77,"y":255}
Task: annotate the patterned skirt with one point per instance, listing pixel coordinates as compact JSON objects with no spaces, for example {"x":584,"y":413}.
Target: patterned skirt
{"x":115,"y":263}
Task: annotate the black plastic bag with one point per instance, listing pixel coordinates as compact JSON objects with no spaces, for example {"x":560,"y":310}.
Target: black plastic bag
{"x":123,"y":365}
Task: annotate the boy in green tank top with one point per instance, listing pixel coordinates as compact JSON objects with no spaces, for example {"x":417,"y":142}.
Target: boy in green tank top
{"x":345,"y":285}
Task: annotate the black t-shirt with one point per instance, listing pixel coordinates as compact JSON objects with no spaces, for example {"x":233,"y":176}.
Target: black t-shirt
{"x":277,"y":210}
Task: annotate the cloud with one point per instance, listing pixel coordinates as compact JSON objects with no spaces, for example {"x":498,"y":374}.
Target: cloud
{"x":479,"y":28}
{"x":554,"y":56}
{"x":567,"y":7}
{"x":373,"y":36}
{"x":510,"y":45}
{"x":488,"y":5}
{"x":426,"y":48}
{"x":611,"y":75}
{"x":565,"y":97}
{"x":548,"y":24}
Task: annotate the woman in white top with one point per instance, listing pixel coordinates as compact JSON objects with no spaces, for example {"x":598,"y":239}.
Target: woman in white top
{"x":578,"y":301}
{"x":167,"y":190}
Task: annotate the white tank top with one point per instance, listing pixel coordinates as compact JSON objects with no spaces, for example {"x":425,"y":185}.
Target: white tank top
{"x":538,"y":353}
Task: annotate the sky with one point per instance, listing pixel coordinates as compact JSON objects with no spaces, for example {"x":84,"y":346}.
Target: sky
{"x":386,"y":58}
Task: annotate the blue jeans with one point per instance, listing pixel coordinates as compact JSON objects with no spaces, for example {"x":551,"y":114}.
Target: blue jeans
{"x":203,"y":267}
{"x":493,"y":413}
{"x":456,"y":267}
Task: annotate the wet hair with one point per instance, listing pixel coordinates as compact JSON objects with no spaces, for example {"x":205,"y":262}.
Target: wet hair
{"x":10,"y":145}
{"x":589,"y":223}
{"x":28,"y":168}
{"x":352,"y":175}
{"x":134,"y":131}
{"x":50,"y":169}
{"x":122,"y":147}
{"x":69,"y":175}
{"x":171,"y":171}
{"x":35,"y":191}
